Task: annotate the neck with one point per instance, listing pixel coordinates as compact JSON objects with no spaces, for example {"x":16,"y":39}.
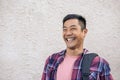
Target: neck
{"x":74,"y":52}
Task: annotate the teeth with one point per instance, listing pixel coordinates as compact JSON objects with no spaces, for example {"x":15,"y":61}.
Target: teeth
{"x":69,"y":39}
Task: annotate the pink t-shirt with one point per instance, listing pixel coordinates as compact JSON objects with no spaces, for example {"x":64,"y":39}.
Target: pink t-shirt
{"x":64,"y":70}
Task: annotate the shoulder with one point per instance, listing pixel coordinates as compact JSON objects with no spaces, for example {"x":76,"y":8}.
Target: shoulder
{"x":99,"y":60}
{"x":99,"y":64}
{"x":55,"y":56}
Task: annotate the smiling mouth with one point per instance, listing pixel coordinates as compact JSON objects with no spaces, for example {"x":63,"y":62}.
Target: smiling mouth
{"x":70,"y":39}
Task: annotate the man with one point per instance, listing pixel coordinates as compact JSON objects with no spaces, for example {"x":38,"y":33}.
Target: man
{"x":66,"y":65}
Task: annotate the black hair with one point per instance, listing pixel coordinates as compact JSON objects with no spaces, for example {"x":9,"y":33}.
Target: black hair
{"x":78,"y":17}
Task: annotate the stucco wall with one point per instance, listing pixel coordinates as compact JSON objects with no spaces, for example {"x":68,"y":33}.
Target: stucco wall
{"x":31,"y":30}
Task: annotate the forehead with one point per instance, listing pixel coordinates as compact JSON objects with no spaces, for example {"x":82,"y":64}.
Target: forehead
{"x":71,"y":22}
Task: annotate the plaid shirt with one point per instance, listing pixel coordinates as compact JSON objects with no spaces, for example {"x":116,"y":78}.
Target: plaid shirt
{"x":99,"y":69}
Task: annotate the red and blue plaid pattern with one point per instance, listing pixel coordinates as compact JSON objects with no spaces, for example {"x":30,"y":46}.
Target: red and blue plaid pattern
{"x":99,"y":69}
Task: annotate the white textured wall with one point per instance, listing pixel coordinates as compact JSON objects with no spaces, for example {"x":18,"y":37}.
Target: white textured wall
{"x":31,"y":30}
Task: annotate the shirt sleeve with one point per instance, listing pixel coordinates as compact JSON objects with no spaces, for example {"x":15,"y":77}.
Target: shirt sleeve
{"x":105,"y":73}
{"x":100,"y":70}
{"x":45,"y":70}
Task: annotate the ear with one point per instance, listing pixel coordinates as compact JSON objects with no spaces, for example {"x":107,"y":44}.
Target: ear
{"x":85,"y":32}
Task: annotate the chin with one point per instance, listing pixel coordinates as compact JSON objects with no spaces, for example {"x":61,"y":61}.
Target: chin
{"x":71,"y":47}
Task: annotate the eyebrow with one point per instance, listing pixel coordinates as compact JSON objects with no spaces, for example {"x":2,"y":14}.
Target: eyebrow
{"x":70,"y":26}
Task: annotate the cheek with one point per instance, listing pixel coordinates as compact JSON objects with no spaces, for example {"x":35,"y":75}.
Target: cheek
{"x":63,"y":35}
{"x":80,"y":37}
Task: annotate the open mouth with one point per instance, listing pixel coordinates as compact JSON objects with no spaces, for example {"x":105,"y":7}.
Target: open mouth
{"x":70,"y":39}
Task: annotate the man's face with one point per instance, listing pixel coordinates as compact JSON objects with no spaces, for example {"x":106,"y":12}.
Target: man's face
{"x":72,"y":34}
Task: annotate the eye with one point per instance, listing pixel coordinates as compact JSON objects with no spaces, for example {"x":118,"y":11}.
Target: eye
{"x":73,"y":28}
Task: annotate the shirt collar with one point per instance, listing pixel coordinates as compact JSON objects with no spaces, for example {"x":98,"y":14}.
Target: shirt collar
{"x":62,"y":53}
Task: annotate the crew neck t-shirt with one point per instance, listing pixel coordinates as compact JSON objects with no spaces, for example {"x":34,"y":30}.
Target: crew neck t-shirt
{"x":64,"y":70}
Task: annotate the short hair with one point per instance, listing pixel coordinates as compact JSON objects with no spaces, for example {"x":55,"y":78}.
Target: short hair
{"x":80,"y":18}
